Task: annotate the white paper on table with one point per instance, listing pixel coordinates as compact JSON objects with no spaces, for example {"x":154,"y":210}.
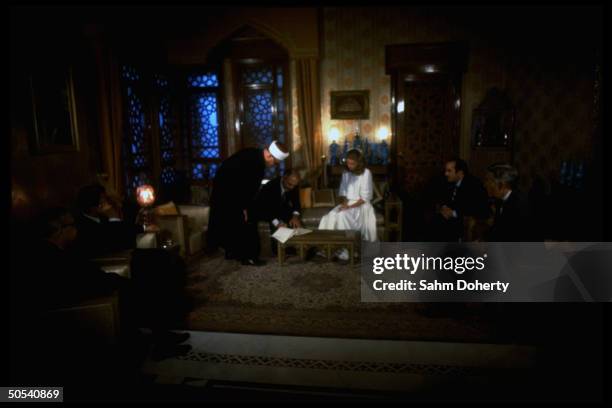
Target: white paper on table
{"x":301,"y":231}
{"x":283,"y":234}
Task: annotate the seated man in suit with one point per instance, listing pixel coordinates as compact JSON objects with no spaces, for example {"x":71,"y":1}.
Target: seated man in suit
{"x":465,"y":195}
{"x":101,"y":228}
{"x":64,"y":277}
{"x":278,"y":202}
{"x":511,"y":223}
{"x":161,"y":274}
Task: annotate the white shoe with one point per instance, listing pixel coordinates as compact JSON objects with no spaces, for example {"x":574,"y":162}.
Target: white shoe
{"x":321,"y":254}
{"x":343,"y":254}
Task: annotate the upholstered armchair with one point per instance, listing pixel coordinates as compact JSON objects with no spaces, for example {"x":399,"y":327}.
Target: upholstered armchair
{"x":184,"y":224}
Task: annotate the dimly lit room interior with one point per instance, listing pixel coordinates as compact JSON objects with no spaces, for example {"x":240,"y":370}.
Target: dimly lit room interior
{"x":130,"y":115}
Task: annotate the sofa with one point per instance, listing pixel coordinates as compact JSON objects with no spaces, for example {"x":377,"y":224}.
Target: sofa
{"x":185,"y":225}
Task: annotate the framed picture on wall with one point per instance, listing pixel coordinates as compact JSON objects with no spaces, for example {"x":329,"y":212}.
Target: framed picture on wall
{"x":54,"y":118}
{"x":350,"y":104}
{"x":493,"y":122}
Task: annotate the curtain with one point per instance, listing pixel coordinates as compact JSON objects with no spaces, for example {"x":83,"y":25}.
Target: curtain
{"x":110,"y":123}
{"x":309,"y":114}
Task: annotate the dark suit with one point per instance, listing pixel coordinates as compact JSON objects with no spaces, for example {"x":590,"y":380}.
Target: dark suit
{"x":512,"y":221}
{"x":102,"y":238}
{"x":62,"y":277}
{"x":468,"y":199}
{"x":158,"y":275}
{"x":270,"y":203}
{"x":236,"y":183}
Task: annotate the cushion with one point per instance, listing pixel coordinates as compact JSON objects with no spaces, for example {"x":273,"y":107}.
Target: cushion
{"x":197,"y":216}
{"x":119,"y":269}
{"x":323,"y":198}
{"x":166,"y":209}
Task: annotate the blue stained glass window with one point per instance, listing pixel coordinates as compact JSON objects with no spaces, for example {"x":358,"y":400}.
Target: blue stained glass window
{"x":137,"y":157}
{"x":197,"y":171}
{"x":166,"y":139}
{"x":259,"y":116}
{"x":279,"y":78}
{"x":257,"y":76}
{"x":203,"y":81}
{"x":129,"y":73}
{"x":167,"y":156}
{"x":161,"y":81}
{"x":167,"y":175}
{"x":205,"y":126}
{"x":137,"y":181}
{"x":212,"y":170}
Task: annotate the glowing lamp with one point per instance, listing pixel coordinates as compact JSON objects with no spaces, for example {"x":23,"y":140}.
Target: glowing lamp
{"x":334,"y":135}
{"x":145,"y":195}
{"x":382,"y":133}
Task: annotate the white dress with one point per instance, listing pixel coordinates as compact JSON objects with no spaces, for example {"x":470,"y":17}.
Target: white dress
{"x":362,"y":218}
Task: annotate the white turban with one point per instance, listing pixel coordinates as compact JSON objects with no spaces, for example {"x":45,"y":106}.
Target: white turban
{"x":276,"y":152}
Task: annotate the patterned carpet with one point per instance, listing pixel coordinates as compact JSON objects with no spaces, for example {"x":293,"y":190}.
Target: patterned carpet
{"x":314,"y":298}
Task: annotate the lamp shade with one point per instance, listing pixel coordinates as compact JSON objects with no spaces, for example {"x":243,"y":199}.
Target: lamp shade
{"x":334,"y":134}
{"x":382,"y":133}
{"x":145,"y":195}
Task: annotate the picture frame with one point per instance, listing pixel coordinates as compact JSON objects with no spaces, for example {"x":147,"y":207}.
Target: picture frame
{"x":493,"y":122}
{"x":54,"y":117}
{"x":350,"y":104}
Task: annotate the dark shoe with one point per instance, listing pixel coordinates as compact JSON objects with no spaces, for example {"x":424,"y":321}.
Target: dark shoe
{"x":253,"y":262}
{"x":171,"y":338}
{"x":161,"y":352}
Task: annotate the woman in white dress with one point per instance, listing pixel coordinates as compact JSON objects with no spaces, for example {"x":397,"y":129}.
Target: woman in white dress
{"x":355,"y":211}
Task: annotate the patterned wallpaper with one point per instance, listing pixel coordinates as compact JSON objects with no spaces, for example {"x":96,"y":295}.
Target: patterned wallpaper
{"x":353,"y":57}
{"x":554,"y":107}
{"x":554,"y":100}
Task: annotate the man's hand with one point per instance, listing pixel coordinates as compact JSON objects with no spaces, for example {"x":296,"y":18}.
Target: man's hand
{"x":151,"y":228}
{"x":446,"y":212}
{"x":246,"y":217}
{"x":282,"y":224}
{"x":295,"y":222}
{"x":109,"y":210}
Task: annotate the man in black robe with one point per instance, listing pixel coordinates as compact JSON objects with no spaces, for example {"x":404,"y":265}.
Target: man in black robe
{"x":278,"y":202}
{"x":235,"y":186}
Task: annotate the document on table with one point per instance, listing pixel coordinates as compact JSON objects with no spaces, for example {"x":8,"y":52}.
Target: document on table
{"x":283,"y":234}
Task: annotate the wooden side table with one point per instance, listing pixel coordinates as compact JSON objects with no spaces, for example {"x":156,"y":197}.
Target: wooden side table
{"x":327,"y":239}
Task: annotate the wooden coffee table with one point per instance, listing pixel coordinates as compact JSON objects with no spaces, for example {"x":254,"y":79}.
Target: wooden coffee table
{"x":326,"y":239}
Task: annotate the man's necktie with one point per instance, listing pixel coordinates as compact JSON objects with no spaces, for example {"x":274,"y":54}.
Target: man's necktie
{"x":498,"y":207}
{"x":454,"y":193}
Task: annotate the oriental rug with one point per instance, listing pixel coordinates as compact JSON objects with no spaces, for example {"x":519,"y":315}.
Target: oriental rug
{"x":317,"y":298}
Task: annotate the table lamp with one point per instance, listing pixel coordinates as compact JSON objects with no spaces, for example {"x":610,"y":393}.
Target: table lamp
{"x":145,"y":196}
